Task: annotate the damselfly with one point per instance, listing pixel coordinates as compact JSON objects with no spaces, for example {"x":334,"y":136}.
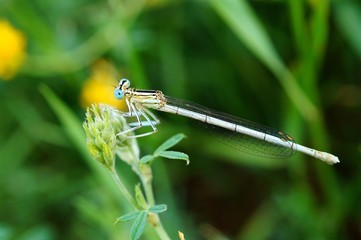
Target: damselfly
{"x":242,"y":134}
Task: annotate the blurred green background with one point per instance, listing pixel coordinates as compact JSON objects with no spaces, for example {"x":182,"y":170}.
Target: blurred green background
{"x":293,"y":65}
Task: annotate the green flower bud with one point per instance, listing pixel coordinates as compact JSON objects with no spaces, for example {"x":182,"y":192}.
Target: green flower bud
{"x":102,"y":127}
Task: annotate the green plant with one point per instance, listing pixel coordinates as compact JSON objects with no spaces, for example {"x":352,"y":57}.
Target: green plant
{"x":102,"y":125}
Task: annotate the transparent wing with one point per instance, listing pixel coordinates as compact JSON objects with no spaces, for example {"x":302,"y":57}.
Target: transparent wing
{"x":237,"y":140}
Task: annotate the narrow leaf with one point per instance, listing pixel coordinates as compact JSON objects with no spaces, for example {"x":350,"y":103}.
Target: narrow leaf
{"x":174,"y":155}
{"x":140,"y":197}
{"x":170,"y":143}
{"x":158,"y":208}
{"x":241,"y":19}
{"x":72,"y":126}
{"x":348,"y":17}
{"x":146,"y":159}
{"x":128,"y":216}
{"x":70,"y":121}
{"x":138,"y":225}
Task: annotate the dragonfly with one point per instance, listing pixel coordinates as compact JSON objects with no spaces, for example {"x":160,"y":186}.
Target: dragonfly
{"x":239,"y":133}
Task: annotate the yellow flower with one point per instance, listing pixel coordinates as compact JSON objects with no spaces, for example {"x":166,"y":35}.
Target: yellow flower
{"x":12,"y":50}
{"x":99,"y":88}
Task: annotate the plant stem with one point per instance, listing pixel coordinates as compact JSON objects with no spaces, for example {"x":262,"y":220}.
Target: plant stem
{"x":161,"y":232}
{"x":146,"y":177}
{"x":123,"y":189}
{"x":147,"y":184}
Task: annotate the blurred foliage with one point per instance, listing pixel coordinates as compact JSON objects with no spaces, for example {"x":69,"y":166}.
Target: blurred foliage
{"x":292,"y":65}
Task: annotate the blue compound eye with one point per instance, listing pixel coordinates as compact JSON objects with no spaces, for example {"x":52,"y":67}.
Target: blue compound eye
{"x":118,"y":94}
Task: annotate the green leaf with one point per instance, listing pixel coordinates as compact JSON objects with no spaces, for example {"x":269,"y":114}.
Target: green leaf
{"x":70,"y":122}
{"x":348,"y":17}
{"x":146,"y":158}
{"x":73,"y":127}
{"x":174,"y":155}
{"x":158,"y":208}
{"x":140,"y":197}
{"x":128,"y":216}
{"x":241,"y":19}
{"x":169,"y":143}
{"x":138,"y":225}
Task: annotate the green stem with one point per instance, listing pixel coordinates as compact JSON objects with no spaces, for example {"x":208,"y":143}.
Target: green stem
{"x":146,"y":177}
{"x":123,"y":189}
{"x":149,"y":193}
{"x":161,"y":232}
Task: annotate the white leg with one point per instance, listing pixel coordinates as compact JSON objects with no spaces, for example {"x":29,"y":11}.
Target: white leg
{"x":153,"y":120}
{"x":148,"y":121}
{"x":130,"y":109}
{"x":147,"y":111}
{"x":138,"y":111}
